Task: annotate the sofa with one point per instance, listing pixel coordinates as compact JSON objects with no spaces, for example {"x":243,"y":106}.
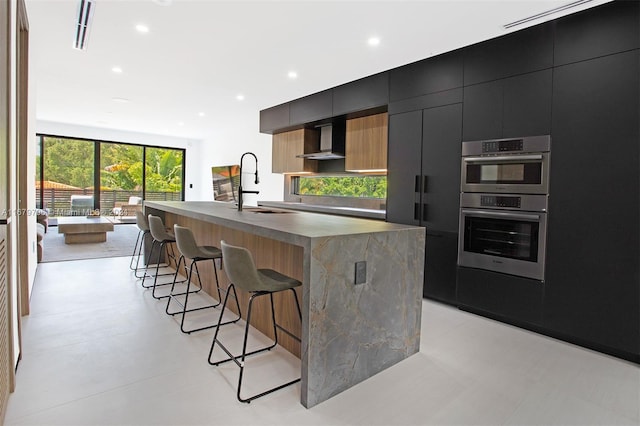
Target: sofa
{"x":129,"y":209}
{"x":42,"y":217}
{"x":42,"y":225}
{"x":81,"y":205}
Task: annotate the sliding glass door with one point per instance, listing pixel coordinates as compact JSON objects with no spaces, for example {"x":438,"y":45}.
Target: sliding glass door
{"x":164,"y":174}
{"x":67,"y":177}
{"x":121,"y":185}
{"x":77,"y":176}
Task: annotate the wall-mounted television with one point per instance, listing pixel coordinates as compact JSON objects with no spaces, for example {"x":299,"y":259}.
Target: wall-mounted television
{"x":225,"y":182}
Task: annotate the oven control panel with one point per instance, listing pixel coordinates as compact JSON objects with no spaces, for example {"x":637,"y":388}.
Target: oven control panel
{"x":500,"y":201}
{"x":502,"y":146}
{"x":491,"y":147}
{"x":513,"y":202}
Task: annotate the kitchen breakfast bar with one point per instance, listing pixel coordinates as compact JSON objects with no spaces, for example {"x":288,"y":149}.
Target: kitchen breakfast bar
{"x":349,"y":331}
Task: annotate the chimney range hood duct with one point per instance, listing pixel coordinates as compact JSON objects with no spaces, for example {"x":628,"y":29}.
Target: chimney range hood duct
{"x":332,"y":141}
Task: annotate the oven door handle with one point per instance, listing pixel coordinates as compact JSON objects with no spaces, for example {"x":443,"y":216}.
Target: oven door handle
{"x":502,"y":215}
{"x":498,"y":158}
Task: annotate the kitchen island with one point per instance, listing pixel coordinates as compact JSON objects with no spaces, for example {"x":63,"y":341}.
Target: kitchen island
{"x":349,"y":331}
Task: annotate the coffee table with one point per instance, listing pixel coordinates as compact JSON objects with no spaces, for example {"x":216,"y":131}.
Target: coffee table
{"x":81,"y":229}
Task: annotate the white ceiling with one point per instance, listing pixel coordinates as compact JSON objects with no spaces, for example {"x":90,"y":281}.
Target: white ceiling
{"x":200,"y":54}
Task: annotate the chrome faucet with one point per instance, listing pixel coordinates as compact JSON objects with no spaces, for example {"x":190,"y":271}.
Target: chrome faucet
{"x":242,"y":191}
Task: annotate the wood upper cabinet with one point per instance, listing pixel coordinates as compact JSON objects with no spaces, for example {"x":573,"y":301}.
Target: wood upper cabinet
{"x":366,"y":143}
{"x":287,"y":145}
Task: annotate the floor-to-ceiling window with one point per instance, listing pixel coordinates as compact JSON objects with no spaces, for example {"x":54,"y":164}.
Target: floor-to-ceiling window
{"x":66,"y":184}
{"x":121,"y":174}
{"x":164,"y":174}
{"x":76,"y":176}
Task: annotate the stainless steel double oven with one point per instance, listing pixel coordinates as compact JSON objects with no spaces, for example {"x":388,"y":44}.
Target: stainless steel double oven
{"x":503,"y":205}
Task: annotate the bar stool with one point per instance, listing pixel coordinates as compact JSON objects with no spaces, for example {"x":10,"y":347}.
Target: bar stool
{"x":143,"y":231}
{"x":163,"y":239}
{"x":243,"y":273}
{"x":188,"y":249}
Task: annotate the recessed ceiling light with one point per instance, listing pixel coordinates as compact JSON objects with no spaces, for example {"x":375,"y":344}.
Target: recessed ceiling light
{"x":201,"y":114}
{"x":141,"y":28}
{"x":117,"y":70}
{"x":292,"y":74}
{"x":374,"y":41}
{"x":240,"y":97}
{"x":121,"y":100}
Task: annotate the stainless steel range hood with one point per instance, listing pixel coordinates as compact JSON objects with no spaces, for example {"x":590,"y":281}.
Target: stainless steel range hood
{"x":332,"y":139}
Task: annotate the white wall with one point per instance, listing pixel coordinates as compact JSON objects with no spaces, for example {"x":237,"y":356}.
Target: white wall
{"x":227,"y":145}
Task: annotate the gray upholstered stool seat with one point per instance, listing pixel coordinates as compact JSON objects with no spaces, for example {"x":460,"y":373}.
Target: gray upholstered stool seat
{"x":242,"y":273}
{"x":162,"y":239}
{"x":188,"y":249}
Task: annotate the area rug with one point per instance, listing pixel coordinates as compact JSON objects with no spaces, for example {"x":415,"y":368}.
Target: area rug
{"x":119,"y":243}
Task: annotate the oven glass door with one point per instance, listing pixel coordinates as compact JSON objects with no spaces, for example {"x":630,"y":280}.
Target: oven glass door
{"x":506,"y":242}
{"x":508,"y":173}
{"x":513,"y":239}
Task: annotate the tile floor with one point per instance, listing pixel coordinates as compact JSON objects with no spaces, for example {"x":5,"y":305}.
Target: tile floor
{"x":98,"y":349}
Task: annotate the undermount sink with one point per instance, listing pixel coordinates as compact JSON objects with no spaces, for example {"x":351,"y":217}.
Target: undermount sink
{"x":263,"y":210}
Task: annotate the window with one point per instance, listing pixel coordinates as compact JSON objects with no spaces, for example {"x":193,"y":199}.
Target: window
{"x":163,"y":173}
{"x":120,"y":174}
{"x":76,"y":175}
{"x":342,"y":186}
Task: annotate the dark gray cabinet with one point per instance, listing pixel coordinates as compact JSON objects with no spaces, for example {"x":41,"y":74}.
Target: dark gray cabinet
{"x":366,"y":93}
{"x":423,"y":184}
{"x":603,"y":30}
{"x":424,"y":187}
{"x":404,"y":168}
{"x":431,"y":75}
{"x":311,"y":108}
{"x":441,"y":151}
{"x":274,"y":118}
{"x":527,"y":104}
{"x":483,"y":111}
{"x":441,"y":254}
{"x":592,"y":289}
{"x":509,"y":298}
{"x":516,"y":53}
{"x":511,"y":107}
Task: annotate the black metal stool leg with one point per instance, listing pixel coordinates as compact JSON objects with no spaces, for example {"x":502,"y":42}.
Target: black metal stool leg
{"x":146,"y":269}
{"x":135,"y":248}
{"x":155,"y":280}
{"x":139,"y":254}
{"x":186,"y":293}
{"x":215,"y":335}
{"x":245,"y":354}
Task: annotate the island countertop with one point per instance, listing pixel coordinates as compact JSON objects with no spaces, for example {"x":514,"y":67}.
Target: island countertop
{"x":285,"y":225}
{"x":353,"y":325}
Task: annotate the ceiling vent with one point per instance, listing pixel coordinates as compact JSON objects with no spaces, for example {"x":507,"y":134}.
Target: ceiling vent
{"x":85,"y":13}
{"x":545,"y":13}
